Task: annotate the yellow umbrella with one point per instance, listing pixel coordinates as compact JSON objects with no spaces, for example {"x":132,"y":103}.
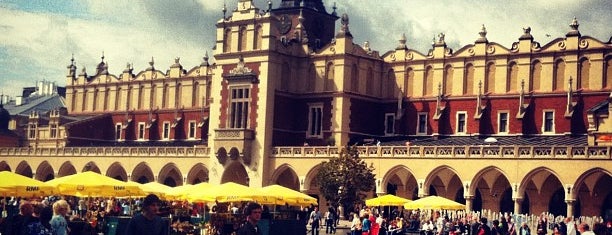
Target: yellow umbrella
{"x":91,"y":184}
{"x":196,"y":189}
{"x":232,"y":192}
{"x":387,"y":200}
{"x":156,"y":188}
{"x":289,"y":196}
{"x":16,"y":185}
{"x":435,"y":203}
{"x":178,"y":192}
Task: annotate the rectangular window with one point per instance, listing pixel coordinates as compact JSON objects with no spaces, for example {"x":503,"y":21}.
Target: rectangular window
{"x":422,"y":124}
{"x":549,"y":122}
{"x":502,"y":122}
{"x":118,"y":129}
{"x":389,"y":123}
{"x":166,"y":131}
{"x":315,"y":121}
{"x":192,"y":130}
{"x":141,"y":131}
{"x":239,"y":107}
{"x":461,"y":122}
{"x":53,"y":131}
{"x":32,"y":131}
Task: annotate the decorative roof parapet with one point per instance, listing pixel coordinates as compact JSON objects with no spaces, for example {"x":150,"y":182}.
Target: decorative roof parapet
{"x":151,"y":64}
{"x":177,"y":63}
{"x":440,"y":41}
{"x":526,"y":34}
{"x":574,"y":26}
{"x":402,"y":43}
{"x":344,"y":28}
{"x":483,"y":35}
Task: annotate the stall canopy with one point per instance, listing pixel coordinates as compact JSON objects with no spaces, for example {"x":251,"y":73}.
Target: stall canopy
{"x":231,"y":192}
{"x":288,"y":196}
{"x":16,"y":185}
{"x":435,"y":203}
{"x":387,"y":200}
{"x":92,"y":184}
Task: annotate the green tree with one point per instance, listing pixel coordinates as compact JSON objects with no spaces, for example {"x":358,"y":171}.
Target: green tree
{"x":345,"y":179}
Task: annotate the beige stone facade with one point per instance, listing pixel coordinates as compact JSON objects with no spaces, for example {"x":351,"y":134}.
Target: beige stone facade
{"x":287,"y":89}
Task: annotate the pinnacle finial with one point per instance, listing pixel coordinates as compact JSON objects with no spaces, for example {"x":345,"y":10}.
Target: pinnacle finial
{"x":574,"y":25}
{"x":334,"y":7}
{"x":224,"y":10}
{"x":102,"y":57}
{"x":152,"y":62}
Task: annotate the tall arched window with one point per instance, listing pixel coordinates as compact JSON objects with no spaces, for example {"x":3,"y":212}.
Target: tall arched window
{"x":468,"y":84}
{"x":118,"y":98}
{"x":512,"y":80}
{"x":355,"y":79}
{"x":409,"y":82}
{"x":257,"y":39}
{"x":95,"y":100}
{"x":242,"y":38}
{"x":489,"y":85}
{"x":141,"y":97}
{"x":285,"y":77}
{"x":370,"y":82}
{"x":559,"y":76}
{"x":312,"y":78}
{"x":227,"y":40}
{"x":447,"y":83}
{"x":106,"y":99}
{"x":536,"y":74}
{"x":428,"y":81}
{"x":195,"y":100}
{"x":84,"y":108}
{"x":608,"y":73}
{"x":128,"y":100}
{"x":153,"y":96}
{"x":585,"y":72}
{"x":178,"y":96}
{"x":165,"y":96}
{"x":390,"y":89}
{"x":330,"y":72}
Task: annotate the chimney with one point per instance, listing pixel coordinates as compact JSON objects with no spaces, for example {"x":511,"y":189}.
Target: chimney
{"x":18,"y":100}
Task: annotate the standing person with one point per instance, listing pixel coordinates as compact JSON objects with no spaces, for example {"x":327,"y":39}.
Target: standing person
{"x":330,"y":221}
{"x":585,"y":229}
{"x":253,"y":215}
{"x":366,"y":224}
{"x":16,"y":225}
{"x":315,"y":220}
{"x":570,"y":226}
{"x":512,"y":227}
{"x":355,"y":224}
{"x":542,"y":227}
{"x":524,"y":229}
{"x":148,"y":222}
{"x":59,"y":225}
{"x":484,"y":228}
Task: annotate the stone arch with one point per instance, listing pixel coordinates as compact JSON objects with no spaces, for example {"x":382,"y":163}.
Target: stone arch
{"x":310,"y":181}
{"x":592,"y":186}
{"x":170,"y":175}
{"x":197,"y":174}
{"x":402,"y":180}
{"x":66,"y":169}
{"x":4,"y":166}
{"x":286,"y":176}
{"x":489,"y":188}
{"x":235,"y":172}
{"x":91,"y":166}
{"x":116,"y":171}
{"x":444,"y":180}
{"x":142,"y":173}
{"x":540,"y":185}
{"x":257,"y":38}
{"x":44,"y":172}
{"x":23,"y":168}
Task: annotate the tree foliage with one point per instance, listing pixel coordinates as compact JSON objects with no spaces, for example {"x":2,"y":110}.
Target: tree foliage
{"x":345,"y":179}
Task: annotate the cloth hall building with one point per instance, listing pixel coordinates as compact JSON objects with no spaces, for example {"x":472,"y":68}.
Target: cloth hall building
{"x":522,"y":128}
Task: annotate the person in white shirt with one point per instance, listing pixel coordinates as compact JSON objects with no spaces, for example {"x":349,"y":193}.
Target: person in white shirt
{"x":585,"y":229}
{"x":571,"y":226}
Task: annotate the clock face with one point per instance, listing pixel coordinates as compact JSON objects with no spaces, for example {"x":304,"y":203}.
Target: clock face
{"x":285,"y":24}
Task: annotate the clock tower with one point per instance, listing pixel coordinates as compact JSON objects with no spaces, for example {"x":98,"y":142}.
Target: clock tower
{"x":316,"y":23}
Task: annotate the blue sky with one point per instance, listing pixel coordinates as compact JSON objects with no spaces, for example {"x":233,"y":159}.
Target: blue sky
{"x":38,"y":37}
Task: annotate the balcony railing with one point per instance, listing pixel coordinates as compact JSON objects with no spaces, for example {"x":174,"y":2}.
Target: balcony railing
{"x":109,"y":151}
{"x":520,"y":152}
{"x":537,"y":152}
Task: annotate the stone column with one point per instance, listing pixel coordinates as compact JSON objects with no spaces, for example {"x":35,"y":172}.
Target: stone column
{"x":468,"y":203}
{"x":517,"y":205}
{"x":570,"y":207}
